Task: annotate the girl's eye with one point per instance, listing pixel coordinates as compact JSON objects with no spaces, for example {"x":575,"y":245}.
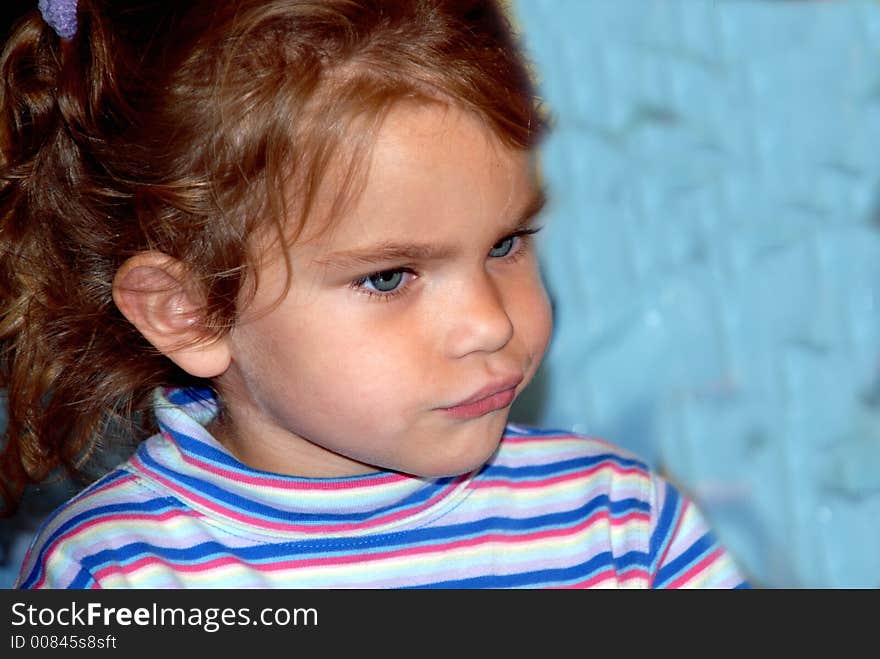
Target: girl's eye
{"x":385,"y":281}
{"x":384,"y":284}
{"x":502,"y":247}
{"x":513,"y":245}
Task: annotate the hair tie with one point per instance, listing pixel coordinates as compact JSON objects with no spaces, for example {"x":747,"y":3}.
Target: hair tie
{"x":60,"y":15}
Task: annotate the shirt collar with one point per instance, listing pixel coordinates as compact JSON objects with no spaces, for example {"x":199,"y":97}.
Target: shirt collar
{"x":187,"y":460}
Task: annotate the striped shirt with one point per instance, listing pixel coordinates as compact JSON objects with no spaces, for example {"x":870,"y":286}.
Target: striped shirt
{"x":549,"y":509}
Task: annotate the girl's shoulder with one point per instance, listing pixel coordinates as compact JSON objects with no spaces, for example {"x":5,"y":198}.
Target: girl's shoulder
{"x":93,"y":518}
{"x":547,"y":455}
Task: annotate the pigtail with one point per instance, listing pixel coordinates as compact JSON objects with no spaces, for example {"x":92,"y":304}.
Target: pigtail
{"x":28,"y":121}
{"x":58,"y":326}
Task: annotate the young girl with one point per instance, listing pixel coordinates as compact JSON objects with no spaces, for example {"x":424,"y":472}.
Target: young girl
{"x":291,"y":241}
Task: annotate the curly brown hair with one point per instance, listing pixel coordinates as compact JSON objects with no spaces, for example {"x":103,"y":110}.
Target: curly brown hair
{"x":183,"y":127}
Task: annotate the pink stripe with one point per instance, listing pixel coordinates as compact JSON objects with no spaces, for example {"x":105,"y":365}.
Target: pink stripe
{"x":148,"y":561}
{"x":606,"y":575}
{"x":609,"y":573}
{"x":285,"y":484}
{"x":112,"y":484}
{"x":290,"y":526}
{"x":695,"y":570}
{"x":540,"y":484}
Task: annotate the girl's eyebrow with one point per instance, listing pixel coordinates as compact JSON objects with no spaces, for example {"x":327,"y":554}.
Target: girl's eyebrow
{"x":526,"y":219}
{"x":392,"y":251}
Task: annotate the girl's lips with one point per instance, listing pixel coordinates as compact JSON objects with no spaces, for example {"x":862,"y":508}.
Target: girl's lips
{"x":490,"y":398}
{"x":482,"y":406}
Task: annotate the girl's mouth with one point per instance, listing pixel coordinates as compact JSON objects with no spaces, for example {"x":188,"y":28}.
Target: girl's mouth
{"x":494,"y":396}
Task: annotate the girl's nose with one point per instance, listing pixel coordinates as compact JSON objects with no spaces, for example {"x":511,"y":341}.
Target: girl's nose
{"x":478,"y":321}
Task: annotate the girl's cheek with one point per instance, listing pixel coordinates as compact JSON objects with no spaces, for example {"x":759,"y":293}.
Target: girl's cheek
{"x":541,"y":313}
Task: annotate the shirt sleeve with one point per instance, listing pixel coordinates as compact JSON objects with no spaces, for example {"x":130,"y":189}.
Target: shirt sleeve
{"x":685,"y":553}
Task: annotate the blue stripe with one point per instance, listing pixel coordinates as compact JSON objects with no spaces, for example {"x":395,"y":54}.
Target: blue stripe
{"x":550,"y":577}
{"x":661,"y":537}
{"x":189,"y":395}
{"x":84,"y":579}
{"x":685,"y":561}
{"x":578,"y":572}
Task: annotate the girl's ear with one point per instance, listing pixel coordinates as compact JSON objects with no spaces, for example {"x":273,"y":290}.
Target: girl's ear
{"x":153,"y":291}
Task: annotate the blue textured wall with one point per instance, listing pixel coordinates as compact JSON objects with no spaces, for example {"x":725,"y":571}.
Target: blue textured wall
{"x":714,"y":253}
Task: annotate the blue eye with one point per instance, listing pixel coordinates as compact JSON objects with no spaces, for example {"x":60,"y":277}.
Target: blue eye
{"x":385,"y":281}
{"x":502,"y":247}
{"x":385,"y":284}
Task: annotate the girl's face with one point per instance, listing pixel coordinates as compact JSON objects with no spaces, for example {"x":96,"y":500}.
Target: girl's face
{"x":409,"y":327}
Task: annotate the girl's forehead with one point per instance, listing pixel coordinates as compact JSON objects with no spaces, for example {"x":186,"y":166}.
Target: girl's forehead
{"x":432,"y":169}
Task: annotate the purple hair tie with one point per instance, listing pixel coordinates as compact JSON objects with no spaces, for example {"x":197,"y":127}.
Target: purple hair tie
{"x":60,"y":15}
